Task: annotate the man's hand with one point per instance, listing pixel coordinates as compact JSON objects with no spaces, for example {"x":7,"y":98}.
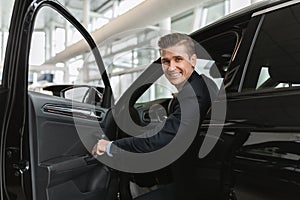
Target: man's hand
{"x":100,"y":147}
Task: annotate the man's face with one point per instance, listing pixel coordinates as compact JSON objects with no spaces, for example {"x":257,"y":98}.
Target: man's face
{"x":177,"y":64}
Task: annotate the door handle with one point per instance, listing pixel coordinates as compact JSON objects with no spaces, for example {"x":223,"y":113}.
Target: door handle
{"x":73,"y":112}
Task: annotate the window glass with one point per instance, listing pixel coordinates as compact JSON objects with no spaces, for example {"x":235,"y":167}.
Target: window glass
{"x":183,"y":22}
{"x":127,"y":66}
{"x":6,"y":8}
{"x":275,"y":62}
{"x":214,"y":12}
{"x":127,"y":54}
{"x":51,"y":36}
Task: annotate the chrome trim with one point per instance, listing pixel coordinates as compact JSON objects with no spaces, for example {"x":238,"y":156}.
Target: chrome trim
{"x":289,"y":3}
{"x":250,"y":53}
{"x":231,"y":76}
{"x":73,"y":112}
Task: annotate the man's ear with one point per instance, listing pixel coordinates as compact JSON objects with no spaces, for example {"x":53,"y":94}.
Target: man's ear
{"x":193,"y":59}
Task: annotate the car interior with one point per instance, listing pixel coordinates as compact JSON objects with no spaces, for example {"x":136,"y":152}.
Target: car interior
{"x":64,"y":131}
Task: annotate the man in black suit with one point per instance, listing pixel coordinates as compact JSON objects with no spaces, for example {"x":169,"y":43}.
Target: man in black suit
{"x":181,"y":128}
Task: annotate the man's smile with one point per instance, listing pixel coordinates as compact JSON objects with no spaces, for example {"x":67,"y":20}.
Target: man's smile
{"x":174,"y":74}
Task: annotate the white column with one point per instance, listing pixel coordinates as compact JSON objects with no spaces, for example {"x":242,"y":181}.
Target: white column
{"x":165,"y":25}
{"x":1,"y":15}
{"x":204,"y":17}
{"x":86,"y":21}
{"x":2,"y":46}
{"x":115,"y":9}
{"x":227,"y":7}
{"x":67,"y":29}
{"x":46,"y":43}
{"x":198,"y":11}
{"x":66,"y":73}
{"x":85,"y":68}
{"x":86,"y":13}
{"x":2,"y":38}
{"x":93,"y":27}
{"x":50,"y":41}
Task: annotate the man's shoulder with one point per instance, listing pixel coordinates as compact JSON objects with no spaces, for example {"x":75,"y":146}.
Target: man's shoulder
{"x":202,"y":83}
{"x":197,"y":80}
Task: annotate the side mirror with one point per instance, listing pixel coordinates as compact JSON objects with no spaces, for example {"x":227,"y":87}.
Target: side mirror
{"x":85,"y":94}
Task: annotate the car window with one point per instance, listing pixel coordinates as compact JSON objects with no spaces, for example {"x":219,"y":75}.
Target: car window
{"x":6,"y":11}
{"x":275,"y":62}
{"x":52,"y":35}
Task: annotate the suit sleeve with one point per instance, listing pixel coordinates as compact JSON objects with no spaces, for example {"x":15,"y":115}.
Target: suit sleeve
{"x":158,"y":137}
{"x":185,"y":115}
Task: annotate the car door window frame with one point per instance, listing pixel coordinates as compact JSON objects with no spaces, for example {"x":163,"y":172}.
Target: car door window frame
{"x":93,"y":46}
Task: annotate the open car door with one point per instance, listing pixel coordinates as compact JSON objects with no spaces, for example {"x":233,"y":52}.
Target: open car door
{"x":43,"y":156}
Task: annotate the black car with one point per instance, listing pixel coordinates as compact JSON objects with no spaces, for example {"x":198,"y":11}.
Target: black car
{"x":250,"y":146}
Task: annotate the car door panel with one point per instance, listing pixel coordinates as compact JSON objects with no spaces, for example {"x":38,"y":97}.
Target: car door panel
{"x":274,"y":160}
{"x":61,"y":163}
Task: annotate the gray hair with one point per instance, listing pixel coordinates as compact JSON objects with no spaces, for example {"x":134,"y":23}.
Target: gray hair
{"x":173,"y":39}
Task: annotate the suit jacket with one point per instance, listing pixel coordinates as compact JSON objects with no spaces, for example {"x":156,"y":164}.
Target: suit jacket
{"x":187,"y":113}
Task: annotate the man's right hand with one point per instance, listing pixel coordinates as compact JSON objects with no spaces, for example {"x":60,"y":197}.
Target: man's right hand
{"x":100,"y":147}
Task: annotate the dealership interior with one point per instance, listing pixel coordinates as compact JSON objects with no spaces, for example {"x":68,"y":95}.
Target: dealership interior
{"x":126,"y":32}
